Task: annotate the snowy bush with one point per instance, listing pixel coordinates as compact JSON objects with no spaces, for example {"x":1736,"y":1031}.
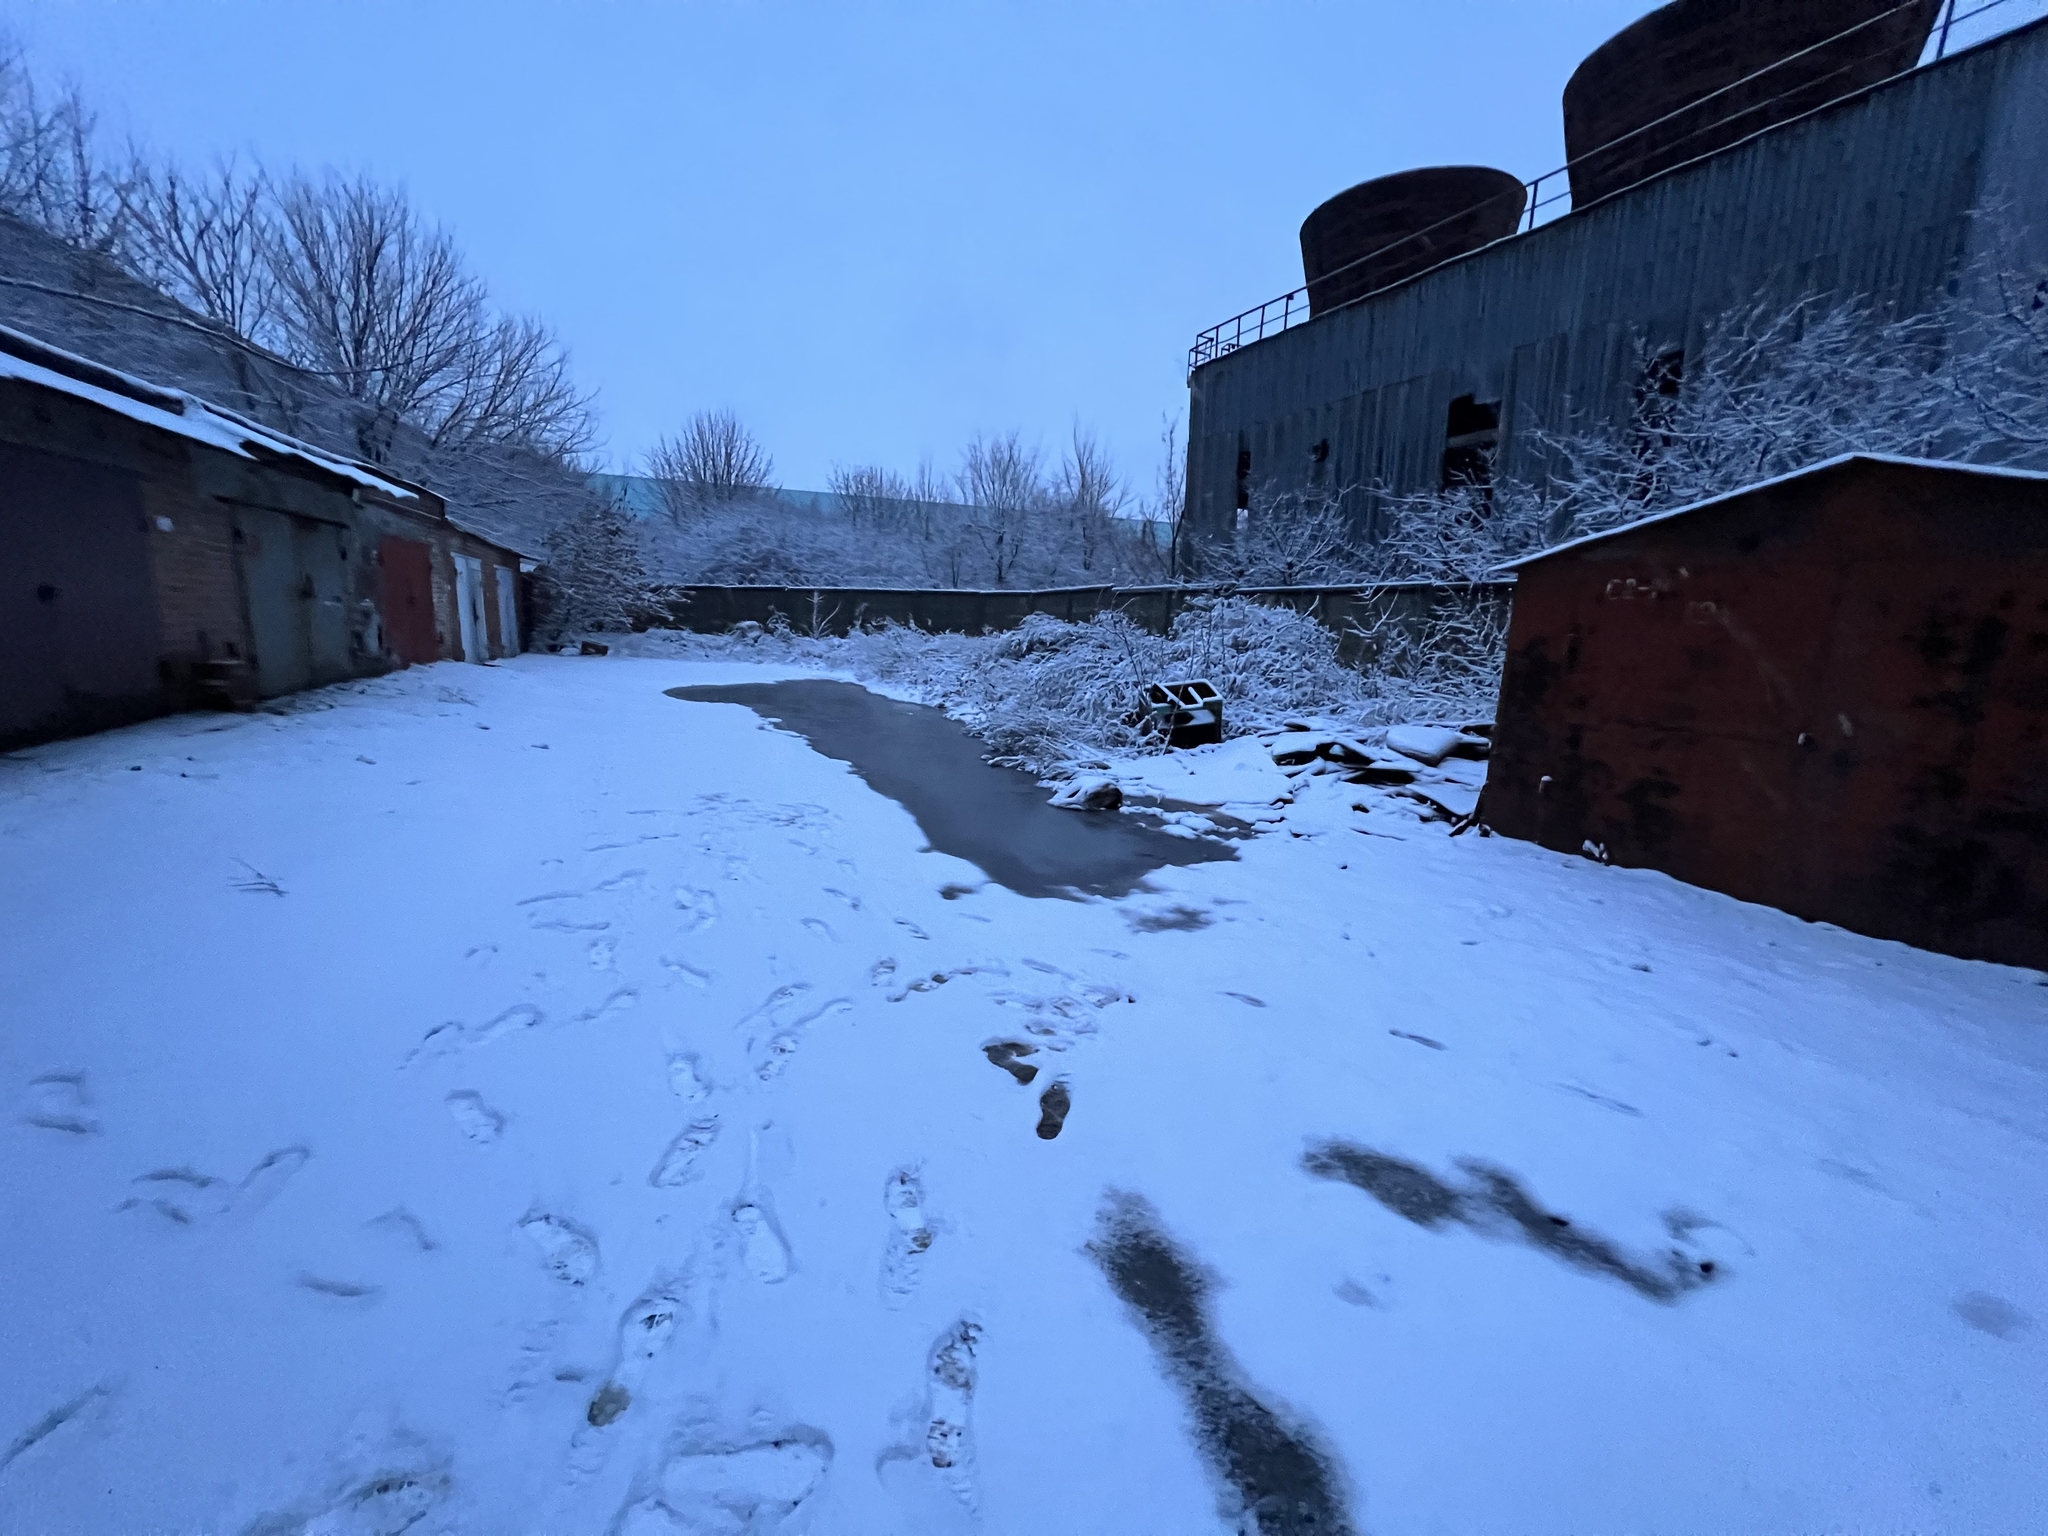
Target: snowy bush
{"x":593,"y":579}
{"x":1050,"y":696}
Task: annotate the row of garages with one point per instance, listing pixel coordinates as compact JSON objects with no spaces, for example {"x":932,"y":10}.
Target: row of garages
{"x":161,"y":553}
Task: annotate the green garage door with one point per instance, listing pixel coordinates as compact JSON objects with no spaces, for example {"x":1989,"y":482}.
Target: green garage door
{"x":295,"y":572}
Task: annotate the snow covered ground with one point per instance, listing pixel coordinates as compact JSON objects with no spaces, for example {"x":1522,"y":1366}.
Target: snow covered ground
{"x":512,"y":1100}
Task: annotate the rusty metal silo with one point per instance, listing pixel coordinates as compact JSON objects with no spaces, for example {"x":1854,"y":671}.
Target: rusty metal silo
{"x":1392,"y":227}
{"x":1698,"y":75}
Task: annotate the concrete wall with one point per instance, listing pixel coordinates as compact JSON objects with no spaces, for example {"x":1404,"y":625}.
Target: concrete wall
{"x":1869,"y":198}
{"x":1353,"y":612}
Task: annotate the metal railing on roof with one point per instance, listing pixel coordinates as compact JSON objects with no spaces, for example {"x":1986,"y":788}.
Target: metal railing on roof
{"x":1552,"y":188}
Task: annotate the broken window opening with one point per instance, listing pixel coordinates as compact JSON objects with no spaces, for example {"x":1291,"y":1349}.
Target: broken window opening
{"x":1244,"y":480}
{"x":1656,"y":414}
{"x":1471,"y":436}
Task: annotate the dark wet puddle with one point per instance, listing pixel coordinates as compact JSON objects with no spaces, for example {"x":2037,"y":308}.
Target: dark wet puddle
{"x":996,"y":818}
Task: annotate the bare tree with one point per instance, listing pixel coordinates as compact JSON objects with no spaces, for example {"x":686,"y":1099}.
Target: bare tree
{"x":1169,"y":510}
{"x":372,"y":296}
{"x":1090,"y":496}
{"x":870,"y":497}
{"x":208,"y":241}
{"x":51,"y":173}
{"x":375,"y":298}
{"x":1003,"y":481}
{"x":713,"y":461}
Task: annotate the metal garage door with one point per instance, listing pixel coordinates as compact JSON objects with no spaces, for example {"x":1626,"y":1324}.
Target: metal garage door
{"x":78,"y":613}
{"x":294,"y":571}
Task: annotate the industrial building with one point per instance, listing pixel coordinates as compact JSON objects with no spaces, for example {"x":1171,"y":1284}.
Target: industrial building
{"x":1827,"y":693}
{"x":160,"y":553}
{"x":1724,"y":154}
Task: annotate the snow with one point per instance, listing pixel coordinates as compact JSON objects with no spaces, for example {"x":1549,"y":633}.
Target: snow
{"x":1429,"y":744}
{"x":181,"y":414}
{"x":1094,"y":792}
{"x":1997,"y":471}
{"x":575,"y":1115}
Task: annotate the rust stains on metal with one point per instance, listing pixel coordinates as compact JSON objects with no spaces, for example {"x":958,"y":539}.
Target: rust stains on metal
{"x":1828,"y":693}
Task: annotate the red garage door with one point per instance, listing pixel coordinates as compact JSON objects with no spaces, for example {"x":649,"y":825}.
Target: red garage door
{"x":409,"y":630}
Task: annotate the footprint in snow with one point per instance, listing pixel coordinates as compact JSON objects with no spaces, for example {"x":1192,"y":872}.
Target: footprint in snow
{"x":474,"y":1118}
{"x":909,"y":1236}
{"x":187,"y":1198}
{"x":1402,"y":1034}
{"x":678,"y":1162}
{"x":1005,"y":1054}
{"x":78,"y":1409}
{"x":403,"y":1230}
{"x":351,"y":1292}
{"x":1053,"y":1105}
{"x":568,"y":1251}
{"x":762,"y":1248}
{"x":58,"y":1101}
{"x":725,"y":1489}
{"x":690,"y":975}
{"x":455,"y":1036}
{"x":644,"y":1333}
{"x":386,"y":1502}
{"x":699,"y":907}
{"x":686,"y":1077}
{"x":1173,"y":919}
{"x":932,"y":1472}
{"x":771,"y":1052}
{"x":616,"y":1001}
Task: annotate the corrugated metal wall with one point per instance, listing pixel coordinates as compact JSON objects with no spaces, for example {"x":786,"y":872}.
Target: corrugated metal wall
{"x":1872,"y":197}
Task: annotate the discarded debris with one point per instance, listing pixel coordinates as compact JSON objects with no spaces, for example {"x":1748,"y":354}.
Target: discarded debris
{"x":1089,"y":794}
{"x":1188,"y":714}
{"x":1429,"y":744}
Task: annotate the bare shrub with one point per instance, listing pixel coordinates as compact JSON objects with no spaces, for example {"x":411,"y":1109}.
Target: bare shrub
{"x":1447,"y":667}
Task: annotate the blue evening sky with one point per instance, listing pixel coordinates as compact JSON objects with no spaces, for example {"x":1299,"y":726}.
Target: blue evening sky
{"x":870,"y":229}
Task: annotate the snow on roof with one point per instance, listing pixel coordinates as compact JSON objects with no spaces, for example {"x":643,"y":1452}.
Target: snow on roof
{"x":34,"y":361}
{"x":1998,"y":471}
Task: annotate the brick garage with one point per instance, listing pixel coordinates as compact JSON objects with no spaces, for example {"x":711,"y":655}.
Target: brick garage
{"x":1827,"y":693}
{"x":160,"y":554}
